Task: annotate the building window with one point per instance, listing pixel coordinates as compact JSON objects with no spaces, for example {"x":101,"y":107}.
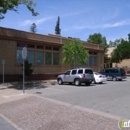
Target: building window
{"x":30,"y":46}
{"x":95,"y":61}
{"x":40,"y":56}
{"x":55,"y":48}
{"x":21,"y":45}
{"x":30,"y":56}
{"x":47,"y":47}
{"x":55,"y":58}
{"x":19,"y":57}
{"x":87,"y":61}
{"x":90,"y":61}
{"x":95,"y":53}
{"x":48,"y":58}
{"x":40,"y":47}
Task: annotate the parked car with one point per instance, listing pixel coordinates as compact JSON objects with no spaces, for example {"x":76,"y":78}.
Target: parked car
{"x":77,"y":76}
{"x":114,"y":73}
{"x":99,"y":78}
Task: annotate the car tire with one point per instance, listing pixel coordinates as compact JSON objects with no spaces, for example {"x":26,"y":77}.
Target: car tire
{"x":114,"y":79}
{"x":77,"y":82}
{"x":70,"y":83}
{"x":60,"y":82}
{"x":95,"y":81}
{"x":88,"y":83}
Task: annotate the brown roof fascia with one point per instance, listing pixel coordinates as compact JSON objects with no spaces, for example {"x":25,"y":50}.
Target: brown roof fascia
{"x":12,"y":34}
{"x":50,"y":39}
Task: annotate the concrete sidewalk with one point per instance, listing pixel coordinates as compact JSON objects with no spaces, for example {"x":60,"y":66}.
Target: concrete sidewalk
{"x":29,"y":112}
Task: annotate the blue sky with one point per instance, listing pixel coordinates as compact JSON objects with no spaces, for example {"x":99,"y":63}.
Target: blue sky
{"x":78,"y":18}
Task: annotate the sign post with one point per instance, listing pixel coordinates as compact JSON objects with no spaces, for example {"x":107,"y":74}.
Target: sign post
{"x":3,"y":62}
{"x":24,"y":55}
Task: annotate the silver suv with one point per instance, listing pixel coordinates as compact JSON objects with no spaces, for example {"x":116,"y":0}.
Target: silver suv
{"x":77,"y":76}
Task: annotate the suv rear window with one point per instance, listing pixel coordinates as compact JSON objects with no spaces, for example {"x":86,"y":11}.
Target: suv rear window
{"x":88,"y":71}
{"x":80,"y":71}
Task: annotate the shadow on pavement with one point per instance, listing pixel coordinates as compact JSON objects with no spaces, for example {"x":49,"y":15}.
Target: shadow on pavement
{"x":28,"y":85}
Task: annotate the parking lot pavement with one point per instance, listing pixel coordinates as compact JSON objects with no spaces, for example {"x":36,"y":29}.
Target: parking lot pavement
{"x":110,"y":97}
{"x":38,"y":113}
{"x":68,"y":107}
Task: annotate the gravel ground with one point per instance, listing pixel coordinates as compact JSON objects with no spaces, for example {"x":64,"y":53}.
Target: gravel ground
{"x":35,"y":113}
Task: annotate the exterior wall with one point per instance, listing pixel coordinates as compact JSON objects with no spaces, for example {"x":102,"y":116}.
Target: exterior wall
{"x":124,"y":64}
{"x":9,"y":39}
{"x":7,"y":52}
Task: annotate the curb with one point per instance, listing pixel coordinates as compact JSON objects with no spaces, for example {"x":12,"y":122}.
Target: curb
{"x":10,"y":122}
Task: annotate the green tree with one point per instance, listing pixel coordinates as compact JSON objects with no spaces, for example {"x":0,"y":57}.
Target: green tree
{"x":33,"y":28}
{"x":27,"y":69}
{"x":115,"y":43}
{"x":129,"y":37}
{"x":74,"y":52}
{"x":12,"y":5}
{"x":97,"y":38}
{"x":121,"y":52}
{"x":115,"y":56}
{"x":57,"y":27}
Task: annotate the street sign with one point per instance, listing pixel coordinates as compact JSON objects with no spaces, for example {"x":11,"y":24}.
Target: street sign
{"x":24,"y":52}
{"x":3,"y":61}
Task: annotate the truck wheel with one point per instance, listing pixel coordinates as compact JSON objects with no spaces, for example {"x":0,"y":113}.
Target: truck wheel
{"x":77,"y":82}
{"x":60,"y":82}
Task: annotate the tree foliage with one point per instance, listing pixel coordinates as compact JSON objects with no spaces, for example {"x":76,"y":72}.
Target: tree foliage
{"x":115,"y":43}
{"x":129,"y":37}
{"x":121,"y":52}
{"x":12,"y":5}
{"x":33,"y":28}
{"x":27,"y":68}
{"x":74,"y":52}
{"x":97,"y":38}
{"x":57,"y":27}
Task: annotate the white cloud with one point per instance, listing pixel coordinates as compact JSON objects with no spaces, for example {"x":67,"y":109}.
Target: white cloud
{"x":121,"y":23}
{"x":108,"y":25}
{"x":37,"y":22}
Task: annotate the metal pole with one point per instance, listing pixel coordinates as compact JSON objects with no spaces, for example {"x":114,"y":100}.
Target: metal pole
{"x":23,"y":77}
{"x":3,"y":74}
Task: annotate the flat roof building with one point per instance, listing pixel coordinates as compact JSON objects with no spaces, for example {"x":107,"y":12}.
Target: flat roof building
{"x":43,"y":51}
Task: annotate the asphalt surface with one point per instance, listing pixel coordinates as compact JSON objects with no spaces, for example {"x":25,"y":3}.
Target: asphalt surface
{"x":110,"y":97}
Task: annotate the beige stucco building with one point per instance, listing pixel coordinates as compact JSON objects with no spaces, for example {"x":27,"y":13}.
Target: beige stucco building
{"x":124,"y":64}
{"x":44,"y":52}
